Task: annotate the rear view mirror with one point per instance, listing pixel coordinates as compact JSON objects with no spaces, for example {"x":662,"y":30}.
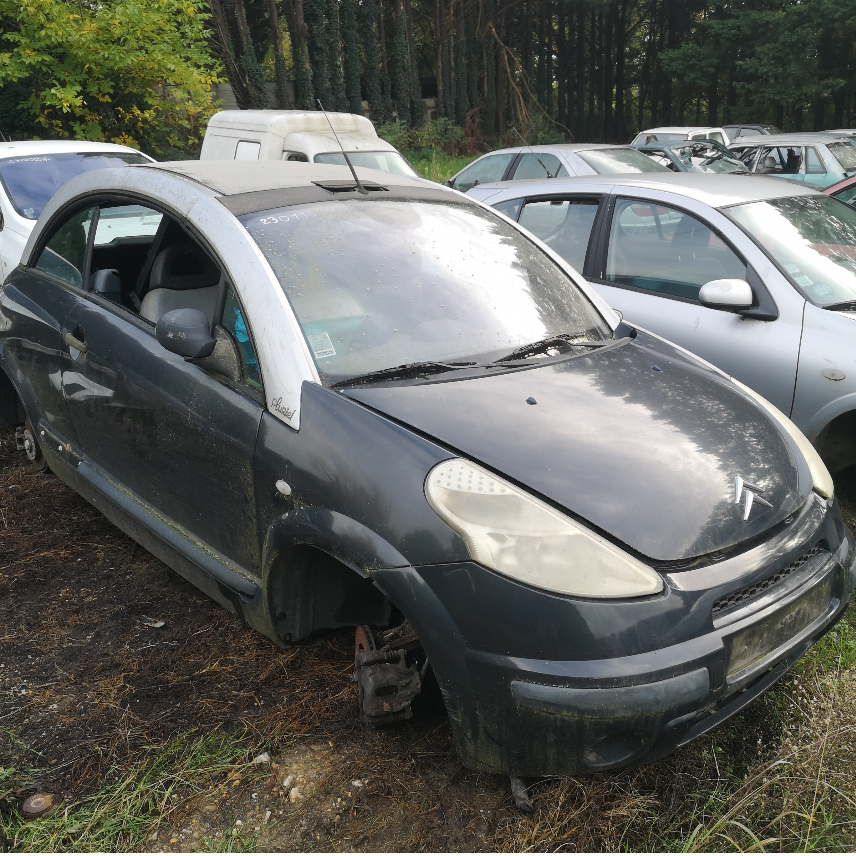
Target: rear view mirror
{"x":729,"y":294}
{"x":186,"y":332}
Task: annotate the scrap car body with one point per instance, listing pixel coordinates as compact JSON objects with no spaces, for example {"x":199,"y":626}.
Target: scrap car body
{"x":679,"y":548}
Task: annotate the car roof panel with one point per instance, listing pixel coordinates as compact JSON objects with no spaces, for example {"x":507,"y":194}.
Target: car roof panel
{"x":716,"y":190}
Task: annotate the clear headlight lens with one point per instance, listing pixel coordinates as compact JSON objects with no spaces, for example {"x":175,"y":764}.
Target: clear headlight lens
{"x":517,"y":535}
{"x":821,"y":479}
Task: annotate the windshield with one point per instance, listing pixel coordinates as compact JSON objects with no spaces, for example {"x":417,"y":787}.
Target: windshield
{"x":31,"y":181}
{"x":385,"y":161}
{"x":609,"y":161}
{"x":845,"y":154}
{"x":707,"y":157}
{"x":380,"y":284}
{"x":813,"y":238}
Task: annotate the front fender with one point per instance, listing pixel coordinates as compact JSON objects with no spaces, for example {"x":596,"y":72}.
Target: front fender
{"x":347,"y":540}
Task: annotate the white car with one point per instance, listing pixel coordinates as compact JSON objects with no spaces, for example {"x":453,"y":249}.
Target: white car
{"x":556,"y":160}
{"x":32,"y":171}
{"x":301,"y":136}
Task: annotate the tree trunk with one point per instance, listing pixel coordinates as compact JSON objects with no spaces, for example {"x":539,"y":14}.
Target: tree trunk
{"x":438,"y":54}
{"x":226,"y":52}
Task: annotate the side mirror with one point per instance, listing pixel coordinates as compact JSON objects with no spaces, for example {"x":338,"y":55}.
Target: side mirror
{"x":448,"y":183}
{"x":186,"y":332}
{"x":729,"y":294}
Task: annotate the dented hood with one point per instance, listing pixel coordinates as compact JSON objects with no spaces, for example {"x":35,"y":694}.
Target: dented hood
{"x":638,"y":440}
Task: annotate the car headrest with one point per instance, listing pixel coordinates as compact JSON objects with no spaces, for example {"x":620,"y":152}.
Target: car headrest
{"x":183,"y":266}
{"x":770,"y":162}
{"x":690,"y":235}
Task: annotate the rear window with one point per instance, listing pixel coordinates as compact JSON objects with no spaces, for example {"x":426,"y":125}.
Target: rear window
{"x":610,"y":161}
{"x":844,"y":153}
{"x":30,"y":182}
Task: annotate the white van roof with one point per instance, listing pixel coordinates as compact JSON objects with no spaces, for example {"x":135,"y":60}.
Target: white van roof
{"x":303,"y":130}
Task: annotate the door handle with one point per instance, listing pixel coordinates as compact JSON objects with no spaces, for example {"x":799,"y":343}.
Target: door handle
{"x":73,"y":342}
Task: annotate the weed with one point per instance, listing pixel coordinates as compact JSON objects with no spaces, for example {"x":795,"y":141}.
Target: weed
{"x":140,"y":795}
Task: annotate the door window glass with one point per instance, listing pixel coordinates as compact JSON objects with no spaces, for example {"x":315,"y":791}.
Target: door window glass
{"x":537,"y":165}
{"x":664,"y":250}
{"x":64,"y":253}
{"x":509,"y":207}
{"x":235,"y":322}
{"x":813,"y":163}
{"x":483,"y":171}
{"x":563,"y":225}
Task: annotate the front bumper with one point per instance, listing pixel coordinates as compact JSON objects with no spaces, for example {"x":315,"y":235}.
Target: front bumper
{"x":624,"y":700}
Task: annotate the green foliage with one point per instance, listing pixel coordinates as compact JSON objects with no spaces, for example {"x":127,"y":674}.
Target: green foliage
{"x":401,"y":70}
{"x":256,"y":77}
{"x":316,"y":22}
{"x":371,"y":54}
{"x":136,"y":72}
{"x":351,"y":56}
{"x":541,"y":132}
{"x":334,"y":53}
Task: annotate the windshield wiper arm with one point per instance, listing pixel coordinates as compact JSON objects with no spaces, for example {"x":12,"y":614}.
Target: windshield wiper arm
{"x":846,"y":306}
{"x":543,"y":345}
{"x":405,"y":371}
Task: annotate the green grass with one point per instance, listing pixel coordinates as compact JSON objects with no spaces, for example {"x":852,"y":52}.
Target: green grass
{"x":139,"y":796}
{"x":436,"y":165}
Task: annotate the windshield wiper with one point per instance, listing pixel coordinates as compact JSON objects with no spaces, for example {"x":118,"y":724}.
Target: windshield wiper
{"x":544,"y":345}
{"x":847,"y":306}
{"x":405,"y":371}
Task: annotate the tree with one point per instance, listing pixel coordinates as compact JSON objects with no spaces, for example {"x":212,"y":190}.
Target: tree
{"x":136,"y":72}
{"x":351,"y":56}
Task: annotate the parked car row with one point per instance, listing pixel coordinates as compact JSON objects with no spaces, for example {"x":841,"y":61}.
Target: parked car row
{"x":334,"y":398}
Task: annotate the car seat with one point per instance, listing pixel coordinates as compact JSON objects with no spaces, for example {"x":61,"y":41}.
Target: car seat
{"x":768,"y":164}
{"x":182,"y":277}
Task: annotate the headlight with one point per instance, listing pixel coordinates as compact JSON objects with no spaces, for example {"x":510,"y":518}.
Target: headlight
{"x":821,"y":479}
{"x":517,"y":535}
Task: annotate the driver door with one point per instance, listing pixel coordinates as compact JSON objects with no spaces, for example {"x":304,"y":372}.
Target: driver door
{"x":175,"y":436}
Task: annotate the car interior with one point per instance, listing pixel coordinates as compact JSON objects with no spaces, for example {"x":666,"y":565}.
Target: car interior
{"x":148,"y":264}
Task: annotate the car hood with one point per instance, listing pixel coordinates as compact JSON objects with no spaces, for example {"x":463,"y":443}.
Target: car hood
{"x":638,"y":440}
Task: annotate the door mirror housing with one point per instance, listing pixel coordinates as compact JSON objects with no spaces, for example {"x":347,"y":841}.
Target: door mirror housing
{"x":186,"y":332}
{"x":732,"y":295}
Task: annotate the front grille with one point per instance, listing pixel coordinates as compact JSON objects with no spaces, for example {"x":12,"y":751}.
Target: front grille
{"x":738,"y":597}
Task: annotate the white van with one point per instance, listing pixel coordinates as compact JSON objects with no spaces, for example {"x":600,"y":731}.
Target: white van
{"x":297,"y":135}
{"x":674,"y":134}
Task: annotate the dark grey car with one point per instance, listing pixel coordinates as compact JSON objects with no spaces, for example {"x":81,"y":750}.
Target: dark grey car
{"x":394,"y":410}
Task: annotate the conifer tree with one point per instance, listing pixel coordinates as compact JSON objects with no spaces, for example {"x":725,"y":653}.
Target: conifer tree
{"x":316,"y":22}
{"x":372,"y":59}
{"x":401,"y":70}
{"x":334,"y":58}
{"x":351,"y":55}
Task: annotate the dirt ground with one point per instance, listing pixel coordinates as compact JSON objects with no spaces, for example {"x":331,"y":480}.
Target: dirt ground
{"x":106,"y":653}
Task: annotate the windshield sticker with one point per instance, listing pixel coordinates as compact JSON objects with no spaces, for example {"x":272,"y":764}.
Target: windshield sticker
{"x":802,"y":279}
{"x":321,"y":345}
{"x":821,"y":289}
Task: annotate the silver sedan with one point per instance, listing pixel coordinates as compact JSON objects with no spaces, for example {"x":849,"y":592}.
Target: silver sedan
{"x":756,"y":276}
